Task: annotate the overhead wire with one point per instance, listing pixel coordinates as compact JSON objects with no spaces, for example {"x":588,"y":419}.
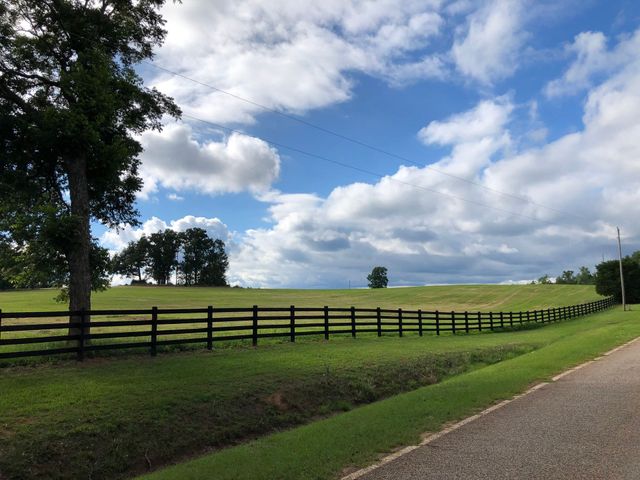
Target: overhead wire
{"x":366,"y":171}
{"x":359,"y":142}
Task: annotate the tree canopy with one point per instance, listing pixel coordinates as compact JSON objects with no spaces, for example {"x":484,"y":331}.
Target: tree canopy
{"x":608,"y":279}
{"x":192,"y":255}
{"x":71,"y":108}
{"x":378,"y":278}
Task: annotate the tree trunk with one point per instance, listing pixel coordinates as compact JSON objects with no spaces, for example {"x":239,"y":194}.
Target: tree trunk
{"x":79,"y":248}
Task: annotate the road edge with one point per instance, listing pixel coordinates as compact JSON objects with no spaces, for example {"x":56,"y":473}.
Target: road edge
{"x":430,"y":437}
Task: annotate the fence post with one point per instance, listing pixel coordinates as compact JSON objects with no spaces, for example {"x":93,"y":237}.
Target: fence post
{"x":353,"y":322}
{"x":326,"y":322}
{"x":0,"y":324}
{"x":528,"y":317}
{"x":83,"y":317}
{"x":379,"y":321}
{"x":491,"y":321}
{"x":210,"y":327}
{"x":479,"y":321}
{"x":154,"y":331}
{"x":254,"y":336}
{"x":419,"y":321}
{"x":437,"y":322}
{"x":453,"y":322}
{"x":400,"y":322}
{"x":501,"y":320}
{"x":466,"y":322}
{"x":511,"y":319}
{"x":520,"y":317}
{"x":292,"y":323}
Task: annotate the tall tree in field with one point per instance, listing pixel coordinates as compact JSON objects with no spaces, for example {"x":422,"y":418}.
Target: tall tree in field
{"x":162,"y":255}
{"x":204,"y":260}
{"x":71,"y":105}
{"x":216,"y":264}
{"x":195,"y":246}
{"x":132,"y":261}
{"x":378,"y":277}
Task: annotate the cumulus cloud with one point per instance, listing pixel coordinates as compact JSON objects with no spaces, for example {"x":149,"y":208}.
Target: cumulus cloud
{"x":313,"y":46}
{"x":589,"y":181}
{"x":487,"y":119}
{"x":116,"y":240}
{"x":487,"y":47}
{"x":175,"y":160}
{"x":592,"y":58}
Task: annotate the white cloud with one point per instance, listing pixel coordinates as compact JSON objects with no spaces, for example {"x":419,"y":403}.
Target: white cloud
{"x":487,"y":119}
{"x":426,"y":238}
{"x":593,"y":59}
{"x":291,"y":56}
{"x":487,"y":48}
{"x":175,"y":160}
{"x":116,"y":240}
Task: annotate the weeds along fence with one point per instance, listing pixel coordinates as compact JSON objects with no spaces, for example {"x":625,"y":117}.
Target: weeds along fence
{"x":24,"y":334}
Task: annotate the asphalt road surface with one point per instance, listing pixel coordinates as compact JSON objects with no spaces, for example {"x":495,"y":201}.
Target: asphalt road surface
{"x":585,"y":425}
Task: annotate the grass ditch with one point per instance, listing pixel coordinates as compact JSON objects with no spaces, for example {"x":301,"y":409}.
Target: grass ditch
{"x":115,"y":418}
{"x":331,"y":447}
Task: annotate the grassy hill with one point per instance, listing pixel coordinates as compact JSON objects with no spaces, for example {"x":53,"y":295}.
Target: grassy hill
{"x":452,"y":297}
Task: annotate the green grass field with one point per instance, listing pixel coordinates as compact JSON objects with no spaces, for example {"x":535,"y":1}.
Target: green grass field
{"x":458,"y":297}
{"x":328,"y":448}
{"x":445,"y":298}
{"x":117,"y":417}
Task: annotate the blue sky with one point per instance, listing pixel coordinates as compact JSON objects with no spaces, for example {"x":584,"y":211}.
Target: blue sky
{"x":511,"y":125}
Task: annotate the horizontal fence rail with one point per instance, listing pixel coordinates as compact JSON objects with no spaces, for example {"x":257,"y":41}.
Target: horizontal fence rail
{"x":26,"y":334}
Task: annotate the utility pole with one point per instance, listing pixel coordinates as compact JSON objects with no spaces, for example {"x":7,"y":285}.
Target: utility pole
{"x":624,"y":303}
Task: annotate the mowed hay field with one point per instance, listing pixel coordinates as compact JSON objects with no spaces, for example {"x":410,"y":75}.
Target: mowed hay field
{"x":443,"y":298}
{"x":454,"y":297}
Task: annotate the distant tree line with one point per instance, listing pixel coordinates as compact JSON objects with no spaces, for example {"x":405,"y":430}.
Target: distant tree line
{"x":569,"y":277}
{"x":606,"y":278}
{"x":196,"y":258}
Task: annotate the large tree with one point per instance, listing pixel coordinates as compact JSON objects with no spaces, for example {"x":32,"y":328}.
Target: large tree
{"x":204,"y":260}
{"x":214,"y":271}
{"x":162,"y":255}
{"x":378,"y":277}
{"x":132,"y":261}
{"x":71,"y":106}
{"x":608,"y":279}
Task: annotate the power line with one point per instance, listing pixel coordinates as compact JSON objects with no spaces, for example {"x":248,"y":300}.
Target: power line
{"x":366,"y":171}
{"x":359,"y":142}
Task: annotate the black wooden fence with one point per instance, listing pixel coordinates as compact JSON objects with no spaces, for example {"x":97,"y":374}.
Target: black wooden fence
{"x":23,"y":334}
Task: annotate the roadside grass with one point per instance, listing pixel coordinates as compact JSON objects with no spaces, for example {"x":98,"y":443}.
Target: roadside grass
{"x":445,"y":298}
{"x":327,"y":448}
{"x":111,"y":419}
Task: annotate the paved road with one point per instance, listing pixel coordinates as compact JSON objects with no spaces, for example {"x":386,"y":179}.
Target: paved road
{"x":585,"y":425}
